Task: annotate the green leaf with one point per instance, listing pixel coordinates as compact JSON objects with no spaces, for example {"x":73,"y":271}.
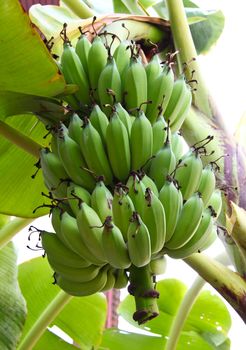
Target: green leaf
{"x":208,"y":322}
{"x":51,"y":341}
{"x":128,"y":6}
{"x":206,"y":33}
{"x":21,"y":193}
{"x":25,"y":63}
{"x":82,"y":318}
{"x":12,"y":303}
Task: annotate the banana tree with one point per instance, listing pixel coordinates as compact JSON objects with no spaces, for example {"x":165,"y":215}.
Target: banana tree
{"x":30,"y":93}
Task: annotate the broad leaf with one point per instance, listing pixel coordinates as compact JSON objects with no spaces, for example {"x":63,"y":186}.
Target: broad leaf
{"x":25,"y":63}
{"x":21,"y":193}
{"x":208,"y":319}
{"x":51,"y":341}
{"x":82,"y":318}
{"x":128,"y":6}
{"x":12,"y":304}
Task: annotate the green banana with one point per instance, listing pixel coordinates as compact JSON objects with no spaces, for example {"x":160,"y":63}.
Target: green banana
{"x":101,"y":200}
{"x":188,"y":222}
{"x":76,"y":194}
{"x":122,"y":56}
{"x":215,"y":201}
{"x":118,"y":147}
{"x":114,"y":245}
{"x":141,"y":141}
{"x":158,"y":265}
{"x":74,"y":73}
{"x":153,"y":70}
{"x":121,"y":279}
{"x":124,"y":117}
{"x":94,"y":153}
{"x":74,"y":128}
{"x":199,"y":238}
{"x":83,"y":288}
{"x":138,"y":241}
{"x":73,"y":274}
{"x":90,"y":228}
{"x":110,"y":280}
{"x":136,"y":192}
{"x":82,"y":49}
{"x":148,"y":182}
{"x":155,"y":220}
{"x":172,"y":201}
{"x":207,"y":183}
{"x":177,"y":100}
{"x":122,"y":207}
{"x":178,"y":145}
{"x":53,"y":172}
{"x":159,"y":92}
{"x":162,"y":164}
{"x":97,"y":59}
{"x":109,"y":81}
{"x":100,"y":122}
{"x":55,"y":249}
{"x":135,"y":85}
{"x":188,"y":174}
{"x":177,"y":122}
{"x":159,"y":130}
{"x":73,"y":161}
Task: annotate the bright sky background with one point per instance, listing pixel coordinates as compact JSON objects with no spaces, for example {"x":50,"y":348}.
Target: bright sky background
{"x":225,"y":74}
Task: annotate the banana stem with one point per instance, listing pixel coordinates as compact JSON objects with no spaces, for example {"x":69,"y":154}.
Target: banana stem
{"x":183,"y":312}
{"x":142,"y":288}
{"x":184,"y":44}
{"x":41,"y":324}
{"x":8,"y":231}
{"x":20,"y":140}
{"x":79,"y":8}
{"x":229,"y":284}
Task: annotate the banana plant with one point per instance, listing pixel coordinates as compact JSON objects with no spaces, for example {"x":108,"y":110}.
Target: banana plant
{"x":33,"y":94}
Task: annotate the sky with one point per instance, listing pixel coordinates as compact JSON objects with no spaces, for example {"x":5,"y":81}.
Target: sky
{"x":225,"y":74}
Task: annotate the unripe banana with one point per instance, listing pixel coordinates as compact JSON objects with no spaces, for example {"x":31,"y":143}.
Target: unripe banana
{"x":135,"y":85}
{"x":189,"y":173}
{"x":172,"y":201}
{"x":188,"y":221}
{"x":101,"y":200}
{"x":97,"y":59}
{"x":122,"y":56}
{"x":138,"y":241}
{"x":100,"y":122}
{"x":215,"y":202}
{"x":55,"y":249}
{"x":53,"y":172}
{"x":93,"y":150}
{"x":74,"y":128}
{"x":73,"y":161}
{"x":141,"y":141}
{"x":199,"y":238}
{"x":158,"y":266}
{"x":121,"y":279}
{"x":76,"y":194}
{"x":82,"y":49}
{"x":114,"y":245}
{"x":159,"y":92}
{"x":153,"y":70}
{"x":162,"y":164}
{"x":148,"y":182}
{"x":159,"y":134}
{"x":123,"y":208}
{"x":90,"y":229}
{"x":110,"y":281}
{"x":74,"y":73}
{"x":83,"y":288}
{"x":136,"y":192}
{"x":109,"y":80}
{"x":177,"y":100}
{"x":207,"y":183}
{"x":177,"y":145}
{"x":73,"y":274}
{"x":155,"y":220}
{"x":124,"y":117}
{"x":118,"y":147}
{"x":177,"y":122}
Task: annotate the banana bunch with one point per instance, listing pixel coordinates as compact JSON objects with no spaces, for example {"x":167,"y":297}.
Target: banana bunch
{"x":123,"y":191}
